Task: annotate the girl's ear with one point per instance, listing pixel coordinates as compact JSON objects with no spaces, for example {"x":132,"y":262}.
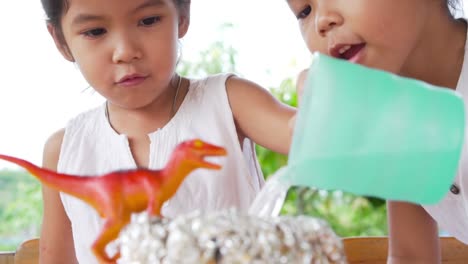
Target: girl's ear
{"x":59,"y":41}
{"x":184,"y":19}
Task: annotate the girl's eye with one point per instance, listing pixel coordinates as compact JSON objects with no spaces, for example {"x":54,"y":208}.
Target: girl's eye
{"x":96,"y":32}
{"x":304,"y":13}
{"x":149,"y":21}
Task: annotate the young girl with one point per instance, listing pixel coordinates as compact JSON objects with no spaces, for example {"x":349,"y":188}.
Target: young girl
{"x":127,"y":51}
{"x":418,"y":39}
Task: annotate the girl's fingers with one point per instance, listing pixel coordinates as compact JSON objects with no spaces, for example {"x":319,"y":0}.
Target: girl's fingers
{"x":300,"y":84}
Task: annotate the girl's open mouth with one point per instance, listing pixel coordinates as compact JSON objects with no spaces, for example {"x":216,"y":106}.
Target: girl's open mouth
{"x":348,"y":52}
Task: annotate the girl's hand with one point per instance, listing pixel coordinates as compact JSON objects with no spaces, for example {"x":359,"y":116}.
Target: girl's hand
{"x":299,"y":89}
{"x":301,"y":78}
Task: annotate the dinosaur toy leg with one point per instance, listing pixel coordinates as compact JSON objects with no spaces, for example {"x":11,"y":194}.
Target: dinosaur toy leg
{"x":154,"y":208}
{"x":110,"y":231}
{"x":153,"y":191}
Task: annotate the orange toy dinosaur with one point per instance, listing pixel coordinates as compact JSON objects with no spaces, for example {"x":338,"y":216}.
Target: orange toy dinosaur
{"x":117,"y":195}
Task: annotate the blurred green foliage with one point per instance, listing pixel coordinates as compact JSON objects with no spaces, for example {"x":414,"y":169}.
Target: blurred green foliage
{"x":20,"y":208}
{"x":349,"y":215}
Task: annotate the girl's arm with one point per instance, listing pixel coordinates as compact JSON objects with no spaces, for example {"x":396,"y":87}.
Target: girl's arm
{"x":56,"y":242}
{"x":413,"y":235}
{"x":259,"y":115}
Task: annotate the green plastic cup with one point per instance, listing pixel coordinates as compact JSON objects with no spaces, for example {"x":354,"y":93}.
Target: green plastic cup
{"x":373,"y":133}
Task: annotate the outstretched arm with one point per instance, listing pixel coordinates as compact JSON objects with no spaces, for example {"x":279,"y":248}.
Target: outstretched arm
{"x":56,"y":242}
{"x":413,"y":235}
{"x":259,"y":115}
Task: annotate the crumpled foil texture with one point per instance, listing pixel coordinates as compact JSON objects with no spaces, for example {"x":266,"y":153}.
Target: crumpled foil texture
{"x":229,"y":237}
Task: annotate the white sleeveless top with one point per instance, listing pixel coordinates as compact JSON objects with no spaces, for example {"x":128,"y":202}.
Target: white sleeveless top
{"x":451,"y":213}
{"x":91,"y":147}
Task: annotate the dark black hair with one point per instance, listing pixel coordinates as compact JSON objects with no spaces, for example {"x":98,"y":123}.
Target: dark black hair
{"x":54,"y":10}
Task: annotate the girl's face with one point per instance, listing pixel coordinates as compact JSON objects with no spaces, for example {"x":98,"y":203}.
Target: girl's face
{"x":377,"y":33}
{"x":126,"y":50}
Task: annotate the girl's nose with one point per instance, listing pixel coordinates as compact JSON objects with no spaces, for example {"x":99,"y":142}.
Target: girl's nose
{"x":327,"y":20}
{"x":126,"y":50}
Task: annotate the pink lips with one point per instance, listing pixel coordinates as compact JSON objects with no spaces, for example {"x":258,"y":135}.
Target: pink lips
{"x":352,"y":54}
{"x":132,"y":80}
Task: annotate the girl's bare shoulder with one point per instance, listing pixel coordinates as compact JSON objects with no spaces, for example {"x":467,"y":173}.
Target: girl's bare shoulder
{"x":52,"y":149}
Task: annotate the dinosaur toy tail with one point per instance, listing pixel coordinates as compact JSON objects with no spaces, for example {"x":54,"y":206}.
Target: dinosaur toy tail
{"x":62,"y":182}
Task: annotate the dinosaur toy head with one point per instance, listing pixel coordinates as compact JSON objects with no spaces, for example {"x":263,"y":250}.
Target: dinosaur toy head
{"x":193,"y":152}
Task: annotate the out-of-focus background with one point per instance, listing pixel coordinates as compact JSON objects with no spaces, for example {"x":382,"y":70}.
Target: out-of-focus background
{"x":39,"y":91}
